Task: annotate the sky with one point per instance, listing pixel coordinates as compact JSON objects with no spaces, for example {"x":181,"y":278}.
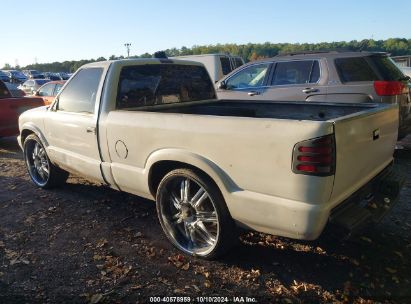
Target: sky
{"x":47,"y":31}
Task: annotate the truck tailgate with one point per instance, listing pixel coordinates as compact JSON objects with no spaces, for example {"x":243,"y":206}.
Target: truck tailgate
{"x":365,"y":144}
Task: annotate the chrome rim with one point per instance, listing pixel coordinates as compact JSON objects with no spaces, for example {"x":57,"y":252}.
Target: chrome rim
{"x":37,"y":162}
{"x":189,"y":216}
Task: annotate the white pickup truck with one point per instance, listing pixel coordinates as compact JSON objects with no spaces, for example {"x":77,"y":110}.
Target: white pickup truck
{"x":152,"y":127}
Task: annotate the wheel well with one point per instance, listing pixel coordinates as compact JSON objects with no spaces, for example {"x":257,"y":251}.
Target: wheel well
{"x":24,"y":134}
{"x":161,"y":168}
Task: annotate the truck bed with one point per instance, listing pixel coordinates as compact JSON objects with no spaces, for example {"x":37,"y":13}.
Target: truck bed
{"x":267,"y":109}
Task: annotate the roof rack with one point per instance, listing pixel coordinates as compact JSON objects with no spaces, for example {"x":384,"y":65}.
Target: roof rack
{"x":316,"y":52}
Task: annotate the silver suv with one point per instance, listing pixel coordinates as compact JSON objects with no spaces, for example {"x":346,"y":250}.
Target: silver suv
{"x":332,"y":76}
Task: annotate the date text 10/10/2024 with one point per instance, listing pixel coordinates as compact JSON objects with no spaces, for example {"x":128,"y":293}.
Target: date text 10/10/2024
{"x":203,"y":299}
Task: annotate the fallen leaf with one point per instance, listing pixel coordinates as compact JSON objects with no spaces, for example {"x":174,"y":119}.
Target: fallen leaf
{"x":396,"y":252}
{"x":96,"y":298}
{"x":178,"y":290}
{"x":355,"y":262}
{"x":136,"y":286}
{"x":364,"y":238}
{"x":185,"y":266}
{"x":207,"y":284}
{"x":373,"y":205}
{"x":101,"y":243}
{"x":395,"y":279}
{"x":390,"y":270}
{"x":97,"y":257}
{"x":196,"y":288}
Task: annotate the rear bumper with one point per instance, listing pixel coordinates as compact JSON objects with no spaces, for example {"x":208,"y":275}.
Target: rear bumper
{"x":299,"y":220}
{"x":371,"y":203}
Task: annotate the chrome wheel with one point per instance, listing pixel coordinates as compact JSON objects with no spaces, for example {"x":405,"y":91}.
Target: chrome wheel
{"x":188,"y":214}
{"x":37,"y":162}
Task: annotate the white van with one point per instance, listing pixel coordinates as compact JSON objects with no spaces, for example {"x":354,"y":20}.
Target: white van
{"x":217,"y":65}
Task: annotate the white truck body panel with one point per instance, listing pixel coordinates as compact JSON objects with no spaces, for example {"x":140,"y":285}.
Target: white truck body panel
{"x":249,"y":159}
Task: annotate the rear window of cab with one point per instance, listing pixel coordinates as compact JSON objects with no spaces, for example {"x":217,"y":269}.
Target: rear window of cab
{"x":157,"y":84}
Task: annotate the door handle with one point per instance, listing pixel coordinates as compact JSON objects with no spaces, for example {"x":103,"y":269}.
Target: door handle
{"x":310,"y":90}
{"x":253,"y":93}
{"x":91,"y":130}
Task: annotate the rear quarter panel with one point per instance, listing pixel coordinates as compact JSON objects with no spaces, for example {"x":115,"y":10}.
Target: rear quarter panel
{"x":251,"y":154}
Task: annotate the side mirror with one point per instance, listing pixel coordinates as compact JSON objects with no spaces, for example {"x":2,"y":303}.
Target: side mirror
{"x":222,"y":85}
{"x":36,"y":93}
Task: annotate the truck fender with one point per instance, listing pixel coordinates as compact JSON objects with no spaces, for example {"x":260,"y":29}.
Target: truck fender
{"x":28,"y":126}
{"x":220,"y":177}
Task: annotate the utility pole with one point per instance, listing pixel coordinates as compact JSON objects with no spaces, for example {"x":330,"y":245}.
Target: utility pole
{"x":127,"y":45}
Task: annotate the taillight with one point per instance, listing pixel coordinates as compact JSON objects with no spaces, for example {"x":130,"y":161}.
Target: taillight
{"x":389,"y":88}
{"x":315,"y":156}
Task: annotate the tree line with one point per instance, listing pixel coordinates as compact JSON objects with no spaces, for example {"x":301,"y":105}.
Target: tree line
{"x":250,"y":51}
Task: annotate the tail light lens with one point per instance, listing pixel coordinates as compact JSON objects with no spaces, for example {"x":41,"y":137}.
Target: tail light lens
{"x":315,"y":156}
{"x":389,"y":88}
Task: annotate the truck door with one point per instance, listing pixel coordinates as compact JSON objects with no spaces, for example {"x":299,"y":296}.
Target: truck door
{"x":71,"y":125}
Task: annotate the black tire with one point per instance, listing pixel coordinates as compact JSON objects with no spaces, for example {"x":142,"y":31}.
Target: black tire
{"x":42,"y":172}
{"x":202,"y":225}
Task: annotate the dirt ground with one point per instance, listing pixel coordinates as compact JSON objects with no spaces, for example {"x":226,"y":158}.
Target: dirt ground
{"x":86,"y":243}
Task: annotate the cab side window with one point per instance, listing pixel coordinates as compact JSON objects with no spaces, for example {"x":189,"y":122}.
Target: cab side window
{"x":250,"y":77}
{"x":80,"y":93}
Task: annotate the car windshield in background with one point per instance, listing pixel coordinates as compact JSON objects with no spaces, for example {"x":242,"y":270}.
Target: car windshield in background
{"x":146,"y":85}
{"x":386,"y":67}
{"x":225,"y":65}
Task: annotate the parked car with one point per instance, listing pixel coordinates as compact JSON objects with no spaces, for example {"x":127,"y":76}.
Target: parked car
{"x":63,"y":75}
{"x":49,"y":91}
{"x":4,"y":77}
{"x":33,"y":74}
{"x":217,"y":65}
{"x":322,"y":77}
{"x":15,"y":76}
{"x":406,"y":71}
{"x":14,"y":89}
{"x":153,"y":127}
{"x":32,"y":85}
{"x":10,"y":109}
{"x":51,"y":76}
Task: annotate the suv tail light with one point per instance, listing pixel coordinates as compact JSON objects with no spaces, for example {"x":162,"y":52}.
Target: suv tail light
{"x":389,"y":88}
{"x":315,"y":156}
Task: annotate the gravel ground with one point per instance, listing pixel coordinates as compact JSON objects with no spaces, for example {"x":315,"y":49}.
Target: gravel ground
{"x":85,"y":243}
